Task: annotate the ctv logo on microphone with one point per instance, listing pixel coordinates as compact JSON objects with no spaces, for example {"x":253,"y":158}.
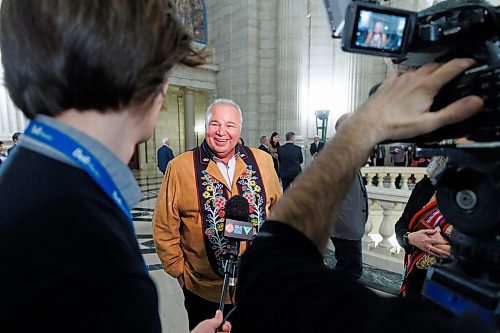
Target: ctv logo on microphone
{"x":238,"y":230}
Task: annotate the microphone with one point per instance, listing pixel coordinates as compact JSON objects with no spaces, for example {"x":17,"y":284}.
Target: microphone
{"x":236,"y":229}
{"x":237,"y":208}
{"x":236,"y":225}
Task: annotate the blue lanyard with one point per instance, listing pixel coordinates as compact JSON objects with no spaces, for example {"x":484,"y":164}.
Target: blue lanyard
{"x":82,"y":157}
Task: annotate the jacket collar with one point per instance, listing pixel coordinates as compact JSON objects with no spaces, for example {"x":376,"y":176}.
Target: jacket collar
{"x":207,"y":158}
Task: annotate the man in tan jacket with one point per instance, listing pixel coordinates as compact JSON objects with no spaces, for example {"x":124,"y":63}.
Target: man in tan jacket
{"x":189,"y":214}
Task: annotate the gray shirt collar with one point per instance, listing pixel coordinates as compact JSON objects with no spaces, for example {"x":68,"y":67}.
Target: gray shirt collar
{"x":119,"y":172}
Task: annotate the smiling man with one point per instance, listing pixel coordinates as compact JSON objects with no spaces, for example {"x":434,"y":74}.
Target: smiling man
{"x":189,"y":214}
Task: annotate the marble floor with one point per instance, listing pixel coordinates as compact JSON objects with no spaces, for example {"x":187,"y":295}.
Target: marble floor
{"x":172,"y":312}
{"x":171,"y":299}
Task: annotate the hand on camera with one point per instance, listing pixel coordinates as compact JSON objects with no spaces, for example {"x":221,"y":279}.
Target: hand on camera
{"x":210,"y":325}
{"x":401,"y":104}
{"x":430,"y":241}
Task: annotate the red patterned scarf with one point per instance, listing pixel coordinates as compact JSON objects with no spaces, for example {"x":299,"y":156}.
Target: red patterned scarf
{"x":429,"y":217}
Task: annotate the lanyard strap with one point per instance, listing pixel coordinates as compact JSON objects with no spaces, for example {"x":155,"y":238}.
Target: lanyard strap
{"x":82,"y":157}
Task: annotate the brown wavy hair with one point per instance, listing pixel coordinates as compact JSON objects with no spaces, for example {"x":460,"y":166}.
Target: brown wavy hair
{"x":93,"y":54}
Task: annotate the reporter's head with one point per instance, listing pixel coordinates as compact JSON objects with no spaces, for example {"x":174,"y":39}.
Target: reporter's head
{"x":99,"y":55}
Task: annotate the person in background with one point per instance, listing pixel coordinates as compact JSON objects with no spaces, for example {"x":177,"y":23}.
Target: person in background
{"x":188,"y":221}
{"x":91,"y":77}
{"x":274,"y":144}
{"x":15,"y":138}
{"x":316,"y":146}
{"x":398,"y":155}
{"x":2,"y":153}
{"x":350,"y":225}
{"x":379,"y":155}
{"x":422,"y":230}
{"x":164,"y":155}
{"x":290,"y":158}
{"x":264,"y":144}
{"x":410,"y":155}
{"x":414,"y":161}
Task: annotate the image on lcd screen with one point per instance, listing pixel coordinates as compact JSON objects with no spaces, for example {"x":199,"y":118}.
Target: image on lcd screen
{"x":380,"y":31}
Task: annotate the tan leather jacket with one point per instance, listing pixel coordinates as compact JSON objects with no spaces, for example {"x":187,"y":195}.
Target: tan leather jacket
{"x":177,"y":222}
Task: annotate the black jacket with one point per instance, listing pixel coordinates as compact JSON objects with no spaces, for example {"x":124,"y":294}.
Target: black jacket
{"x":290,"y":158}
{"x":164,"y":156}
{"x":313,"y":149}
{"x":419,"y":197}
{"x":70,"y":258}
{"x":264,"y":148}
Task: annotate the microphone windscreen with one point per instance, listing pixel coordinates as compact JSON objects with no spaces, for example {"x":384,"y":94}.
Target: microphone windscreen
{"x":237,"y":209}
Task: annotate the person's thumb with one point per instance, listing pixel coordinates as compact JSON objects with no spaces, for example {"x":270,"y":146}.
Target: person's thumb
{"x":218,"y":316}
{"x":217,"y":320}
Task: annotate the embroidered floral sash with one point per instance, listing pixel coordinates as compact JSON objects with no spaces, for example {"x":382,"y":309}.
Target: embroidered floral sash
{"x":212,"y":196}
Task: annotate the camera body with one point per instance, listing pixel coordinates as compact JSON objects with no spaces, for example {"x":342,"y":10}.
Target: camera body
{"x":437,"y":35}
{"x":468,"y":191}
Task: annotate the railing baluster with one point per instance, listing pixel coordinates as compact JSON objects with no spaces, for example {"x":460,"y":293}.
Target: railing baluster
{"x":367,"y":240}
{"x":404,"y":181}
{"x":392,"y":177}
{"x":389,"y":199}
{"x":386,"y":229}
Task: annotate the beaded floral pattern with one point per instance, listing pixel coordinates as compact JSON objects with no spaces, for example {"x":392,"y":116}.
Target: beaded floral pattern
{"x":214,"y":203}
{"x":252,"y":192}
{"x":212,"y":196}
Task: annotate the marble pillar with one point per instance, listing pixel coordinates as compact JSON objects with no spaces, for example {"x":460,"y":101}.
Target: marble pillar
{"x":189,"y":119}
{"x":292,"y":41}
{"x":11,"y":118}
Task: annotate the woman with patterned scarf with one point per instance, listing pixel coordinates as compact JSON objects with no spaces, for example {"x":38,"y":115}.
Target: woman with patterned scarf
{"x":423,"y":231}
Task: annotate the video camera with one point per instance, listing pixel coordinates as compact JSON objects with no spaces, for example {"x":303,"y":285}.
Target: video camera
{"x":440,"y":33}
{"x":468,"y":191}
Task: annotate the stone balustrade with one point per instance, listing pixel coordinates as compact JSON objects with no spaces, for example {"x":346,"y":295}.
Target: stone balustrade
{"x":387,"y":197}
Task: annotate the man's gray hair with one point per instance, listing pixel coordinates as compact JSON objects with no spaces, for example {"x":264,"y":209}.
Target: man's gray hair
{"x":221,"y":101}
{"x":263,"y":139}
{"x":164,"y":141}
{"x":436,"y":166}
{"x":438,"y":163}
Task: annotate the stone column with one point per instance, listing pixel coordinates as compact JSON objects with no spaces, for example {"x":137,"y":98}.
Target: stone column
{"x":291,"y":47}
{"x":363,"y":73}
{"x":213,"y":95}
{"x":11,"y":118}
{"x":189,"y":119}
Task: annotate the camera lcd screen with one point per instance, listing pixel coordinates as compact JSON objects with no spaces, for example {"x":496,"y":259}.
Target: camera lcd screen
{"x":380,"y":31}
